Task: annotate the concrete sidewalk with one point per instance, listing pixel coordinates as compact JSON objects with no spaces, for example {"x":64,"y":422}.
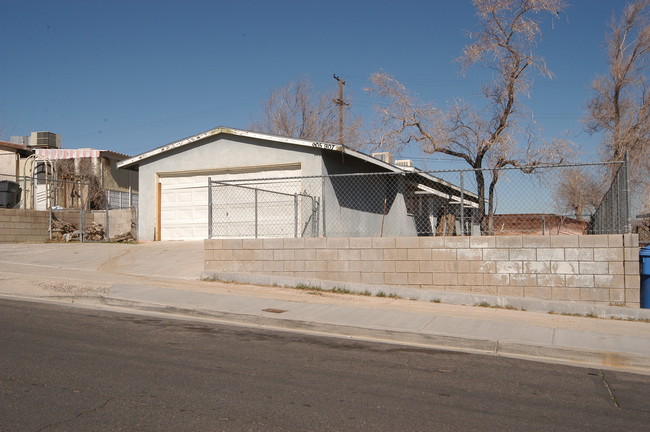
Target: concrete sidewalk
{"x":163,"y":278}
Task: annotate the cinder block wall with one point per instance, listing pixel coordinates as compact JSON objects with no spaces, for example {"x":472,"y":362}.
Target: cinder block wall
{"x":598,"y":269}
{"x":18,"y":225}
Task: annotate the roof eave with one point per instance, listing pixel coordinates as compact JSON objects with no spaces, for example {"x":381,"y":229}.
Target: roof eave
{"x":136,"y":160}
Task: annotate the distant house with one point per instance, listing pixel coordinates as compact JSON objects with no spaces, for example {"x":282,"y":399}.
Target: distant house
{"x":309,"y":189}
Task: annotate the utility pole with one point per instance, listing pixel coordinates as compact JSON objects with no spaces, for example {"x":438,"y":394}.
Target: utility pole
{"x":341,"y":103}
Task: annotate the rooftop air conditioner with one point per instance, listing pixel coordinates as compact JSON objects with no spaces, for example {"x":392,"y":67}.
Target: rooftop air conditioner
{"x":404,"y":162}
{"x":45,"y":140}
{"x":384,"y":156}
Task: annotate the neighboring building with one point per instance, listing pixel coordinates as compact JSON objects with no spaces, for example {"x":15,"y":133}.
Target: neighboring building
{"x":120,"y":187}
{"x":51,"y":176}
{"x":173,"y":182}
{"x":10,"y":156}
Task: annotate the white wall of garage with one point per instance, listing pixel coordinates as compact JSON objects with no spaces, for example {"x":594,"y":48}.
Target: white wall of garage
{"x":187,"y":168}
{"x":184,"y":201}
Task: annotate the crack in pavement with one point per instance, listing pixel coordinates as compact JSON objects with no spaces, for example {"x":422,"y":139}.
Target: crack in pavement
{"x":97,"y":408}
{"x":609,"y":390}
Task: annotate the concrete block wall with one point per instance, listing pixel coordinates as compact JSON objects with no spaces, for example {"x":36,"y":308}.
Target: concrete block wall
{"x":120,"y":221}
{"x":17,"y":225}
{"x":598,"y":269}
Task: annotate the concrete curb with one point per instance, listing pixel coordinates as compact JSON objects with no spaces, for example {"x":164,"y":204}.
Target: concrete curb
{"x":627,"y":362}
{"x":553,"y":354}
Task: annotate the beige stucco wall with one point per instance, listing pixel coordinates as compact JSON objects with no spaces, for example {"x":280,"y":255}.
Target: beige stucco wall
{"x":8,"y":165}
{"x":599,"y":269}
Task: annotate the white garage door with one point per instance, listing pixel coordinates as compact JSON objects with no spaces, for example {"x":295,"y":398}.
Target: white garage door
{"x":184,"y":208}
{"x":184,"y":201}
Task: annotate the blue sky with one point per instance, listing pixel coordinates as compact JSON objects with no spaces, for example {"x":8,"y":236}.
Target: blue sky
{"x":131,"y":75}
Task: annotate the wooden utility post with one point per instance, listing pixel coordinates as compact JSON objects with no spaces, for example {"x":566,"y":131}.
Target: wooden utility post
{"x":341,"y":103}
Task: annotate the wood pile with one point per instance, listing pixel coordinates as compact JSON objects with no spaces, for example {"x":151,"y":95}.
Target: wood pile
{"x":127,"y":237}
{"x":644,"y":231}
{"x":62,"y":230}
{"x":94,"y":232}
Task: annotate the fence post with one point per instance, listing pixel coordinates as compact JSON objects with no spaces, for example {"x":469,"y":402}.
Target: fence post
{"x":628,"y":198}
{"x":256,"y":220}
{"x":462,"y":203}
{"x":295,"y":215}
{"x":209,"y":207}
{"x":323,"y":205}
{"x":614,"y":211}
{"x":315,"y":207}
{"x":81,"y":223}
{"x":107,"y":231}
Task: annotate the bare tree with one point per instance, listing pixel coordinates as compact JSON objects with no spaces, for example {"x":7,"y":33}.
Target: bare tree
{"x":484,"y":137}
{"x":577,"y":191}
{"x":296,"y":110}
{"x":620,"y":107}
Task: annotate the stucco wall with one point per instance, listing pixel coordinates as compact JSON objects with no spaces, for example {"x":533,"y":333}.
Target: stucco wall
{"x":222,"y":152}
{"x":118,"y":179}
{"x":8,"y":165}
{"x":373,"y":207}
{"x":598,"y":269}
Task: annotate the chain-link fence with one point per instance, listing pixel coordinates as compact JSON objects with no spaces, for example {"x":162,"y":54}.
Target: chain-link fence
{"x":72,"y":205}
{"x":612,"y":216}
{"x":93,"y":225}
{"x":42,"y":193}
{"x":547,"y":200}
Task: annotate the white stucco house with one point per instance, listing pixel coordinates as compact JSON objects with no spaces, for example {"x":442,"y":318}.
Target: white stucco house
{"x":174,"y":203}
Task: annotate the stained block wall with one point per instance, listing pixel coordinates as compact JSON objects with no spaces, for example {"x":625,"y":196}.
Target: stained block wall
{"x":18,"y":225}
{"x":598,"y":269}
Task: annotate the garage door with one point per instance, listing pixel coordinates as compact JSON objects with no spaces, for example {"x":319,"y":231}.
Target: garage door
{"x":184,"y":202}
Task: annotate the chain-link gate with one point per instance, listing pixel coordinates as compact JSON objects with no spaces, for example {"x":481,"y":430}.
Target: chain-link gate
{"x":253,"y":210}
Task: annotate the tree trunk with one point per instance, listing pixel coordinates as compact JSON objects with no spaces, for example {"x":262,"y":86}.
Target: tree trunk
{"x":490,"y":215}
{"x":480,"y":190}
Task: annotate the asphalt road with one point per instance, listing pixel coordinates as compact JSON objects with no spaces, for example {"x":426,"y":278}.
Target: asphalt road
{"x":68,"y":369}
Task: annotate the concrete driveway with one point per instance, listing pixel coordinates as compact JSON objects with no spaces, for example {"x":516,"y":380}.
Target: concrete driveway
{"x":182,"y":260}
